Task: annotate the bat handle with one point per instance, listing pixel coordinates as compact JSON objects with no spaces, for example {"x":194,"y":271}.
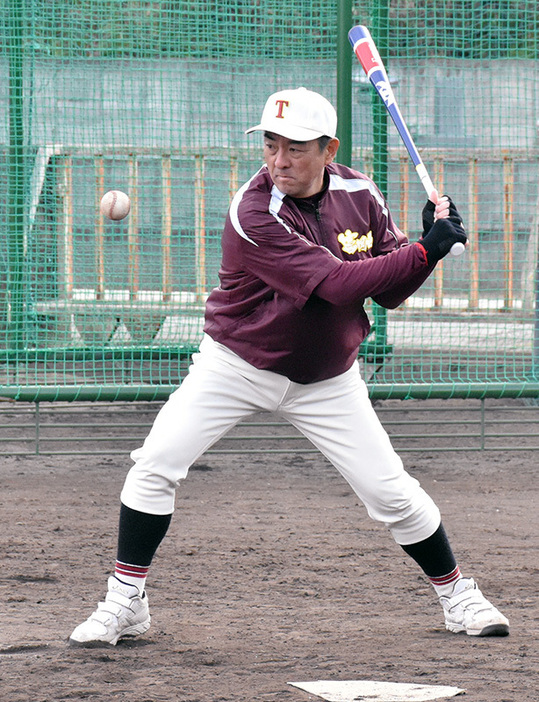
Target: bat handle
{"x":425,"y":178}
{"x":457,"y":249}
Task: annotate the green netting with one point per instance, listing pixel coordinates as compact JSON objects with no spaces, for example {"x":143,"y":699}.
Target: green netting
{"x":153,"y":98}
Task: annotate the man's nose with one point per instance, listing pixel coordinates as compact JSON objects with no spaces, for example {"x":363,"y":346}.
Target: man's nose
{"x":282,"y":159}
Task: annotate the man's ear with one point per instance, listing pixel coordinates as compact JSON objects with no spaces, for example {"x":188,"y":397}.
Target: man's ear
{"x":331,"y":150}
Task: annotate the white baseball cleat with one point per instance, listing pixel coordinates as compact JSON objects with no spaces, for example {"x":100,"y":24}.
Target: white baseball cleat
{"x":467,"y":609}
{"x":123,"y":613}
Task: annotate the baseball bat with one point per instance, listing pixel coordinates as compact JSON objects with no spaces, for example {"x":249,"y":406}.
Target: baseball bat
{"x":369,"y":58}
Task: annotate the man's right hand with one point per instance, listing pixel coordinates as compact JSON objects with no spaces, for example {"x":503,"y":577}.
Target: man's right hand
{"x":443,"y":208}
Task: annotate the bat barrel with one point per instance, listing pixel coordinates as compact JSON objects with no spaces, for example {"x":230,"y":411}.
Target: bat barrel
{"x":357,"y":33}
{"x":367,"y":54}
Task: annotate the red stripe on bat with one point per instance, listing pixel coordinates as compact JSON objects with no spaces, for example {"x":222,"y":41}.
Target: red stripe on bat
{"x":368,"y":56}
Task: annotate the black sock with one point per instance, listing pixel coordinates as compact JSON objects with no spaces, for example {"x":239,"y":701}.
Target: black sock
{"x":139,"y":535}
{"x":434,"y":555}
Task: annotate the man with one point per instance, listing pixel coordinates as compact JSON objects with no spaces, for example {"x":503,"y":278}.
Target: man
{"x":305,"y":242}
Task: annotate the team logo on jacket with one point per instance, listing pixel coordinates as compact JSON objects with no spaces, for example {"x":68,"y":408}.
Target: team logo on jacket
{"x":352,"y":243}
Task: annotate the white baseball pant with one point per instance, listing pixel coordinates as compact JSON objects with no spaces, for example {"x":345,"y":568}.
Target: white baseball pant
{"x":336,"y":415}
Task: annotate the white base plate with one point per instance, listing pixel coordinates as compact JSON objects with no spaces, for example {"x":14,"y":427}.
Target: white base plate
{"x":373,"y":691}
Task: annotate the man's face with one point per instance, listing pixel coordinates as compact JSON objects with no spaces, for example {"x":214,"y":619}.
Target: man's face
{"x":297,"y":167}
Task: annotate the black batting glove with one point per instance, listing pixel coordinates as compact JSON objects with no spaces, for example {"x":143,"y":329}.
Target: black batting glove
{"x":428,"y":215}
{"x":441,"y":237}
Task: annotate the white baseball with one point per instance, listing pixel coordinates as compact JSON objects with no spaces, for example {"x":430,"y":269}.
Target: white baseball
{"x":115,"y":204}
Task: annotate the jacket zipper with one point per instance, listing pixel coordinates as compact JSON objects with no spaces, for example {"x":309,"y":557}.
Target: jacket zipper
{"x":321,"y":230}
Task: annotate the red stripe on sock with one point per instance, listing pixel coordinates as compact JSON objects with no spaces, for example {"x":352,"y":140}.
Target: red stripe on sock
{"x":446,"y":579}
{"x":133,"y":570}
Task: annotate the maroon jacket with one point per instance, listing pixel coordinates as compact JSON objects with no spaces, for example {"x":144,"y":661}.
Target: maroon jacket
{"x":295,"y":274}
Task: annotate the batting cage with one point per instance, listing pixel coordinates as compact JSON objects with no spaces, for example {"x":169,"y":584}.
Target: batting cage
{"x":153,"y":99}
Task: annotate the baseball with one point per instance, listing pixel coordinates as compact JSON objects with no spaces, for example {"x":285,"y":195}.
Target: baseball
{"x":115,"y":205}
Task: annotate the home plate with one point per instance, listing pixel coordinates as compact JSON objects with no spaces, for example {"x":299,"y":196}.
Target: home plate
{"x":373,"y":691}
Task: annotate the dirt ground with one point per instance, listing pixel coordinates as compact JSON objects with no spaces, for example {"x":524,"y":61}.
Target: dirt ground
{"x":271,"y":573}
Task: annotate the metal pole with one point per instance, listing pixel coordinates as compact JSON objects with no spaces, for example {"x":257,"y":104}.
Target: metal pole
{"x":15,"y":233}
{"x":344,"y":81}
{"x":535,"y":359}
{"x":380,"y":33}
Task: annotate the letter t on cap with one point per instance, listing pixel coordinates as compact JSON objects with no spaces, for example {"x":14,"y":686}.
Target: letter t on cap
{"x":281,"y":104}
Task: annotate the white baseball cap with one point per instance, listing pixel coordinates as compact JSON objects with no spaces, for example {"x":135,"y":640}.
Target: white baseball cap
{"x":300,"y":115}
